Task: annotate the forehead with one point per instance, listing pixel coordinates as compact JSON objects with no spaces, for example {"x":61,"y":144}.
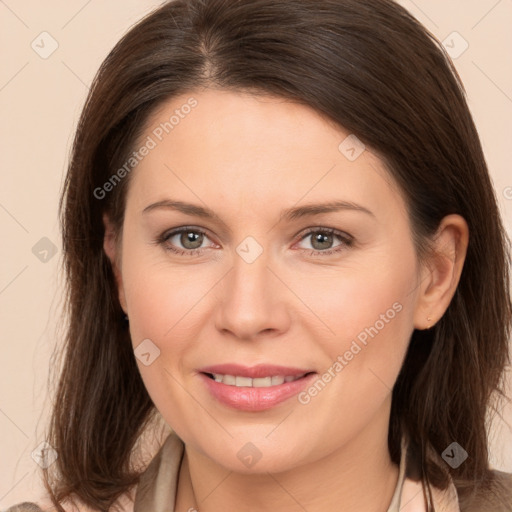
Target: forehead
{"x":246,"y":151}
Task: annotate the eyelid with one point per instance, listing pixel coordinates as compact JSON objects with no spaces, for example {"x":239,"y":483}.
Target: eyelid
{"x":324,"y":229}
{"x":346,"y":238}
{"x":166,"y":235}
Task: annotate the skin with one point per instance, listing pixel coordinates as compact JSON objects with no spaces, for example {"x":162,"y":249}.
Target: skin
{"x":247,"y":158}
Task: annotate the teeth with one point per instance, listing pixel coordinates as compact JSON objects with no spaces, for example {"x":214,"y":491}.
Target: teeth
{"x":262,"y":382}
{"x":243,"y":382}
{"x":229,"y":379}
{"x":247,"y":382}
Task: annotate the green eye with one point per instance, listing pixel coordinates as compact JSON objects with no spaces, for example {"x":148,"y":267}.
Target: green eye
{"x":189,"y":240}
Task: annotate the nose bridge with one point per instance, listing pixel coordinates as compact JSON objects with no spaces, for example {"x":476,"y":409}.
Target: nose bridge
{"x":250,"y":274}
{"x":251,"y":301}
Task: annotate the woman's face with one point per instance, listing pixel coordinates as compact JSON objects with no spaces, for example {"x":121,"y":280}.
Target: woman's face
{"x":296,"y":261}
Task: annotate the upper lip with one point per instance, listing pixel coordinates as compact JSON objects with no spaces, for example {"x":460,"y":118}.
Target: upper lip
{"x":260,"y":370}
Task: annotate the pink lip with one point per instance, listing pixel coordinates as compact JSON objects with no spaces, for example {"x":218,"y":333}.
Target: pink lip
{"x":254,"y":399}
{"x":261,"y":370}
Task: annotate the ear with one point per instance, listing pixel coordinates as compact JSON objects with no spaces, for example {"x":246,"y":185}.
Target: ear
{"x":440,"y":275}
{"x":112,"y":250}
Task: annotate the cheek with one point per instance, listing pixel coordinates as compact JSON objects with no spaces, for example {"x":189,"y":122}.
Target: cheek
{"x":362,"y":361}
{"x":373,"y":298}
{"x":368,"y":318}
{"x":165,"y":306}
{"x":163,"y":300}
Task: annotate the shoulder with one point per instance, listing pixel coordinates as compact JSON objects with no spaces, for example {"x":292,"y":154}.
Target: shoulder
{"x":496,"y":497}
{"x":123,"y":504}
{"x":503,"y":483}
{"x":26,"y":506}
{"x":502,"y":477}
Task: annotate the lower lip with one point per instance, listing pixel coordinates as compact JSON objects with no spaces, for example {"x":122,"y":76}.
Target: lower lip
{"x":255,"y":399}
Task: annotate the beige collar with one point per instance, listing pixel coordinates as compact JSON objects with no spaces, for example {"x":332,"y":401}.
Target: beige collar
{"x":410,"y":497}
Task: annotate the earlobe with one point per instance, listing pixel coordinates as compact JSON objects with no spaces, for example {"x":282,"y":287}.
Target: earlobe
{"x":110,"y":246}
{"x":441,"y":274}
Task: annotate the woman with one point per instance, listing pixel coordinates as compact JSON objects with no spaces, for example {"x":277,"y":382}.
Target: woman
{"x":280,"y":236}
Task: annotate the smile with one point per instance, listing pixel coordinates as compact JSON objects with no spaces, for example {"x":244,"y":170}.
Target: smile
{"x":247,"y":382}
{"x":256,"y":388}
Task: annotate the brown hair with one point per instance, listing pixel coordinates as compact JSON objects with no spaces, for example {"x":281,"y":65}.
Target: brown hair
{"x":346,"y":59}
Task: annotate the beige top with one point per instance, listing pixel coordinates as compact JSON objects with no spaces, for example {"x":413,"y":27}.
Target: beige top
{"x":156,"y":491}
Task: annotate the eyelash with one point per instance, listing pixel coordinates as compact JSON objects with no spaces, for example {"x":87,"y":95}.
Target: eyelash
{"x":347,"y":241}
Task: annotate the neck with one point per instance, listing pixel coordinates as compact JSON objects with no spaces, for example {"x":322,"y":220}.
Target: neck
{"x":358,"y":476}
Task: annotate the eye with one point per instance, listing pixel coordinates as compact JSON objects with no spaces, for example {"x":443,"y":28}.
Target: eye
{"x":184,"y":240}
{"x":189,"y":240}
{"x":322,"y":241}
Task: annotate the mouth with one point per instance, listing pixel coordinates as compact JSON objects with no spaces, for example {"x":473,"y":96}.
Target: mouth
{"x":254,"y":388}
{"x":258,"y":382}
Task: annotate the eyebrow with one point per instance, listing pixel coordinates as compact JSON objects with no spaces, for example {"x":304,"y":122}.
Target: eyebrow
{"x":289,"y":214}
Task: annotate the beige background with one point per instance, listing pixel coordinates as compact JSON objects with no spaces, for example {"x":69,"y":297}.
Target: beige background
{"x":40,"y":100}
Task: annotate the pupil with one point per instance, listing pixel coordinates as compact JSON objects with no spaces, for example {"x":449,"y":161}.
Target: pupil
{"x":191,"y":240}
{"x":323,"y":239}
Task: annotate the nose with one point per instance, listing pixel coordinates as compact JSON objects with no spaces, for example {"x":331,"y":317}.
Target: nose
{"x":252,"y":301}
